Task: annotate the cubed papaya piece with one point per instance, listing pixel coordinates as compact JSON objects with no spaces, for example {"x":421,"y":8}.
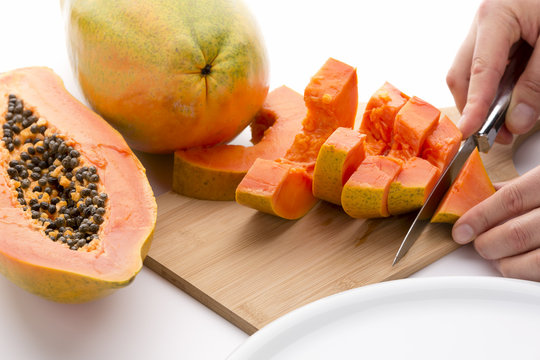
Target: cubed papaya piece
{"x":365,"y":194}
{"x":442,"y":144}
{"x":338,"y":158}
{"x":413,"y":123}
{"x":379,"y":115}
{"x":412,"y":186}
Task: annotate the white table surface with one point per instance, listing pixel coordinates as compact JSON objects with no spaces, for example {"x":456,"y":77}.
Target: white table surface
{"x":409,"y":43}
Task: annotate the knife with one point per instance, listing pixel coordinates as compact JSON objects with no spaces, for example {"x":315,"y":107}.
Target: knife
{"x":483,"y":139}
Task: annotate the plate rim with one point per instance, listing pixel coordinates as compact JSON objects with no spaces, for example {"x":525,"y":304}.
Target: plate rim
{"x":378,"y":290}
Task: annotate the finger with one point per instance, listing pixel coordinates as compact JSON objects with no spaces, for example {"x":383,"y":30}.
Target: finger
{"x":497,"y":31}
{"x":513,"y":199}
{"x":459,"y":74}
{"x":525,"y":266}
{"x":513,"y":237}
{"x":525,"y":103}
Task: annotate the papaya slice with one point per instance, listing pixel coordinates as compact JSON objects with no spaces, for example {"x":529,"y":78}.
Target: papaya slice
{"x":442,"y":144}
{"x":332,"y":99}
{"x":76,"y":210}
{"x":379,"y":115}
{"x":471,"y":186}
{"x":412,"y":186}
{"x":213,"y":173}
{"x":365,"y":194}
{"x":414,"y":121}
{"x":338,"y":158}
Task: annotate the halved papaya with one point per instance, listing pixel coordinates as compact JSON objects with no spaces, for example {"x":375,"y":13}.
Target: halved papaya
{"x":332,"y":99}
{"x":76,"y":210}
{"x":213,"y":173}
{"x":471,"y":186}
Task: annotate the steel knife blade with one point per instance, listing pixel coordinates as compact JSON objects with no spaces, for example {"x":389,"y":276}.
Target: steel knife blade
{"x":483,"y":139}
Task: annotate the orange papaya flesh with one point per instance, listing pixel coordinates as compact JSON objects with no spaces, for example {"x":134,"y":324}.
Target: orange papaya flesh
{"x":331,"y":98}
{"x":63,"y":239}
{"x":338,"y":158}
{"x":365,"y":194}
{"x":378,"y":118}
{"x":414,"y":121}
{"x":442,"y":144}
{"x":472,"y":185}
{"x":412,"y":186}
{"x":213,"y":173}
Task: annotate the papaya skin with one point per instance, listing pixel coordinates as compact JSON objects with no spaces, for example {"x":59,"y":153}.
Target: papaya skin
{"x":213,"y":173}
{"x":32,"y":260}
{"x":169,"y":74}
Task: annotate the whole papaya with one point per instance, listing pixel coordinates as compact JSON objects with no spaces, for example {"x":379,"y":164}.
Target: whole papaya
{"x":168,"y":74}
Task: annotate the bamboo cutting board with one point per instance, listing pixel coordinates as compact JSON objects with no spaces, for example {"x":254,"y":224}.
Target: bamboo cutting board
{"x":252,"y":268}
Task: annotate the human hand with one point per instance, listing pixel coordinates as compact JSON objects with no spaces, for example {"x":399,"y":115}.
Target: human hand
{"x":480,"y":62}
{"x":504,"y":227}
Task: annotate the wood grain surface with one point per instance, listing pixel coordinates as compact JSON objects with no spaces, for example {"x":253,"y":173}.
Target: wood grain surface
{"x":251,"y":268}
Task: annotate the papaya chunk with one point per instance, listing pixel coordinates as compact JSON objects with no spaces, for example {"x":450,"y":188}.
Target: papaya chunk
{"x":412,"y":186}
{"x":338,"y":158}
{"x":273,"y":187}
{"x":332,"y":99}
{"x":379,"y":115}
{"x":213,"y":173}
{"x":471,"y":186}
{"x":365,"y":194}
{"x":442,"y":144}
{"x":414,"y":121}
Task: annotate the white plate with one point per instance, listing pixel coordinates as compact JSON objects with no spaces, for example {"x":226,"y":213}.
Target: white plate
{"x":420,"y":318}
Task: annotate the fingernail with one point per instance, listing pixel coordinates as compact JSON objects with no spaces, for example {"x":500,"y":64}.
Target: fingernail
{"x":463,"y":234}
{"x":522,"y":117}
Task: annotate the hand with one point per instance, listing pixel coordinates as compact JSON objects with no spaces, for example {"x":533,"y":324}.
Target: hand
{"x":481,"y":60}
{"x":504,"y":227}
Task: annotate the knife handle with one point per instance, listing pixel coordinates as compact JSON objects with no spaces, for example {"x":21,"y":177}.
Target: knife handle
{"x":485,"y":137}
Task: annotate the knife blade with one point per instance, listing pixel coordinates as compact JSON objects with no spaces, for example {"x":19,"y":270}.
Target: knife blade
{"x":483,"y":139}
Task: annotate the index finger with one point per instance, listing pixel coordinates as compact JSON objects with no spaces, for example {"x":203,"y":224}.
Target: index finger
{"x":497,"y":31}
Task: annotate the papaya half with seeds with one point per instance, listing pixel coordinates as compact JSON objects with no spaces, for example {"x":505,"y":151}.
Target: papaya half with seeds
{"x":77,"y":213}
{"x":169,"y":74}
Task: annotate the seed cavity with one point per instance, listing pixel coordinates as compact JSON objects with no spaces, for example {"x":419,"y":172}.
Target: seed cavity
{"x":52,"y":182}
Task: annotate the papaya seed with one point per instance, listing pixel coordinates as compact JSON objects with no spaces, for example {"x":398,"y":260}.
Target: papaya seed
{"x":46,"y":172}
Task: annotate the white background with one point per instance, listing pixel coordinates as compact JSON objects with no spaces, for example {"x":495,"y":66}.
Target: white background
{"x":408,"y":43}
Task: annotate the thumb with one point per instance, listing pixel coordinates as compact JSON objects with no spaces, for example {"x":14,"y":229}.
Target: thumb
{"x":524,"y":107}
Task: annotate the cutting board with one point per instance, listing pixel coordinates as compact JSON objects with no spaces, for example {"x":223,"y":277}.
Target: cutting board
{"x":251,"y":268}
